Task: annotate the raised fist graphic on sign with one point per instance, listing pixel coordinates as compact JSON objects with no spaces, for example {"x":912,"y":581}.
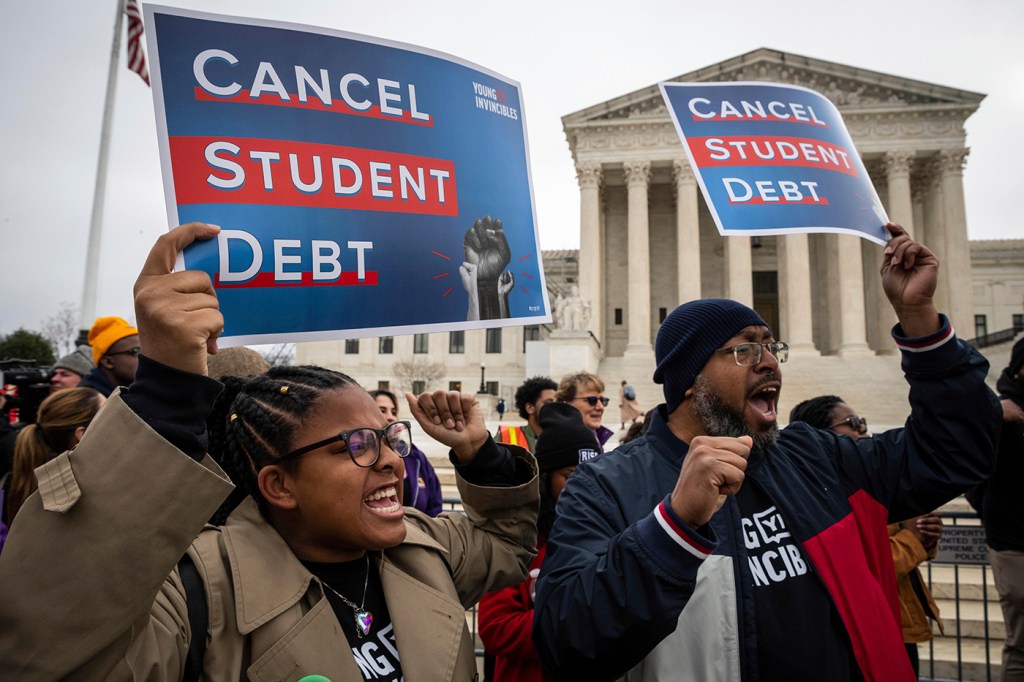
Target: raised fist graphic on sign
{"x":486,"y":248}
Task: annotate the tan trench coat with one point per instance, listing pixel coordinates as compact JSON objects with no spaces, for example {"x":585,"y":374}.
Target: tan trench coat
{"x":95,"y":601}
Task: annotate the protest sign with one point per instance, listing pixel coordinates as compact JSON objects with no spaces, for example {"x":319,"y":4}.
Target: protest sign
{"x":774,"y":159}
{"x":352,"y":178}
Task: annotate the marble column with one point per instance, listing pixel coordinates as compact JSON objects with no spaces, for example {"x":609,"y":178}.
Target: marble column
{"x":591,"y":277}
{"x":957,"y":270}
{"x":687,"y":232}
{"x":901,"y":212}
{"x":897,"y":175}
{"x":638,"y":177}
{"x":918,"y":191}
{"x":935,"y":231}
{"x":795,"y":293}
{"x":739,"y":280}
{"x":850,"y":274}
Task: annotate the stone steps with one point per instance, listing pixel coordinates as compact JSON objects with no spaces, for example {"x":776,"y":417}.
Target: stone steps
{"x":971,"y":623}
{"x":967,"y":664}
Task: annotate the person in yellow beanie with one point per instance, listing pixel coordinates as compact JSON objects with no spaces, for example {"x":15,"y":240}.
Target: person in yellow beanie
{"x":115,"y":350}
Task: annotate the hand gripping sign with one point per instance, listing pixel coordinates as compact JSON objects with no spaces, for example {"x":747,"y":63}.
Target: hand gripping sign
{"x":363,"y":187}
{"x":774,"y":159}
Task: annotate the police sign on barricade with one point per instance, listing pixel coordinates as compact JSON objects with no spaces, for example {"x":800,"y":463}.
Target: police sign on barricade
{"x":962,"y":545}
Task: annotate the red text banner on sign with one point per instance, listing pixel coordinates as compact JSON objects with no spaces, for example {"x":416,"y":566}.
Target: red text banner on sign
{"x":288,"y":173}
{"x":757,"y":150}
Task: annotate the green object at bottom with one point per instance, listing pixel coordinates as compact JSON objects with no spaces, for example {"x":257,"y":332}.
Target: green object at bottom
{"x":314,"y":678}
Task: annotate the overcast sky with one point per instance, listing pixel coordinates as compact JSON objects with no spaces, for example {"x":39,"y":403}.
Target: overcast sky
{"x":567,"y":55}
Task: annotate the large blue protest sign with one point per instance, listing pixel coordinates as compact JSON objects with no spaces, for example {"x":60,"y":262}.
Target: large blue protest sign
{"x":773,"y":158}
{"x":363,"y":187}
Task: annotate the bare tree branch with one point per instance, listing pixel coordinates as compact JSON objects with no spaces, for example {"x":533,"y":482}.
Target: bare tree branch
{"x":407,"y":372}
{"x":61,"y":329}
{"x":279,"y":355}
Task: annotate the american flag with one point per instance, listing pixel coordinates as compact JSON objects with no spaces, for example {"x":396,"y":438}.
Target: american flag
{"x":136,"y":55}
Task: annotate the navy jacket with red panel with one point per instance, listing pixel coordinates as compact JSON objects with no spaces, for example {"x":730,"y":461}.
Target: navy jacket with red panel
{"x":628,"y":589}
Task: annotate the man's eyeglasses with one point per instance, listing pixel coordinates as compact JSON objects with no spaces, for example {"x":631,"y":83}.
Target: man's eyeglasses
{"x":592,"y":400}
{"x":134,"y":352}
{"x":363,"y":444}
{"x":750,"y":353}
{"x":858,"y":424}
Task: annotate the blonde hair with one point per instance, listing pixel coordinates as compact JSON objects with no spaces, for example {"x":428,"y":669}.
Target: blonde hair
{"x":53,"y":433}
{"x":571,"y":382}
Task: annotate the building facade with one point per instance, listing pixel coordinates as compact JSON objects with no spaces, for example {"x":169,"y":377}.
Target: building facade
{"x":639,"y":197}
{"x":649,"y":242}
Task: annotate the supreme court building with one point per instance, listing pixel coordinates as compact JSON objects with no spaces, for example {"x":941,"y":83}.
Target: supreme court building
{"x":648,"y":243}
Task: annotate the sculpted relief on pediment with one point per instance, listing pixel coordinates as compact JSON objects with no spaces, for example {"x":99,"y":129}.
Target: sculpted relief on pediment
{"x":652,"y":107}
{"x":844,"y":92}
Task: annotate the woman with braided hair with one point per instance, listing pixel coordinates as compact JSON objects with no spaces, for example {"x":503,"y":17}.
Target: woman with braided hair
{"x":318,"y":571}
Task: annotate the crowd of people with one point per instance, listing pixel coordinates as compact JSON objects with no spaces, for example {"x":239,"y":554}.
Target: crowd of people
{"x":182,"y":513}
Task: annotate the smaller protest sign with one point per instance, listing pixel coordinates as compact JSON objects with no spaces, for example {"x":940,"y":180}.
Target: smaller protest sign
{"x":774,"y":159}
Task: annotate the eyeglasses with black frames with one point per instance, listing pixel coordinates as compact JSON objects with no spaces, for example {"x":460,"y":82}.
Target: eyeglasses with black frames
{"x":858,"y":424}
{"x":363,"y":444}
{"x":134,"y":352}
{"x":592,"y":400}
{"x":747,"y":354}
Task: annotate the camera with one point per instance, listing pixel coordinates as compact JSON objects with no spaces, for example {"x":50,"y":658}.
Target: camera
{"x":24,"y":384}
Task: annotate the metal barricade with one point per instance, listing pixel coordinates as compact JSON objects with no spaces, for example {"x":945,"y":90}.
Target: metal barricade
{"x":962,"y":548}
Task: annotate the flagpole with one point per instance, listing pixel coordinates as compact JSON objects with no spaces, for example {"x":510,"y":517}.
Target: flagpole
{"x":92,"y":262}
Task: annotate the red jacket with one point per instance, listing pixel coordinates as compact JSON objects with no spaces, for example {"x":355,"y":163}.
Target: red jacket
{"x":505,"y":619}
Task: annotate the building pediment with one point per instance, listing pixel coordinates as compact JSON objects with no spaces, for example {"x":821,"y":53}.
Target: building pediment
{"x":853,"y":90}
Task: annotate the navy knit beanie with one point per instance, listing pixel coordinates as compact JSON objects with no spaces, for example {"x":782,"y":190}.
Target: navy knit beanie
{"x":690,"y":335}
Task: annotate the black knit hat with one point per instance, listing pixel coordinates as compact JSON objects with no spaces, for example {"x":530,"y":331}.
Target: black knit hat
{"x":690,"y":335}
{"x":564,"y":440}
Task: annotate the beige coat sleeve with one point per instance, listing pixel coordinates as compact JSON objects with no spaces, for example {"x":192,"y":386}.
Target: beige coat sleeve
{"x":89,"y":553}
{"x":491,"y":545}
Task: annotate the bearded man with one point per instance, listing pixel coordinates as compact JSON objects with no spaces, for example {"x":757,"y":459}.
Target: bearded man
{"x":716,"y":547}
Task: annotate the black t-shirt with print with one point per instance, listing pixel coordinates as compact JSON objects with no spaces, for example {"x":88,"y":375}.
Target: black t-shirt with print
{"x":800,"y":634}
{"x":376,"y":652}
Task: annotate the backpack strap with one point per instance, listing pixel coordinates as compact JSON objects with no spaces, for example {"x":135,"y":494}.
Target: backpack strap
{"x":198,"y":618}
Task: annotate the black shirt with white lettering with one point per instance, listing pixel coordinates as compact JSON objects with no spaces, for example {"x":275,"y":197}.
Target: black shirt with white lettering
{"x":376,"y":653}
{"x":800,"y":634}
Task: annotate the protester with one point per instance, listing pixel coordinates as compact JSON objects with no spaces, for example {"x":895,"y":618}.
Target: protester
{"x":506,"y":617}
{"x":421,"y":485}
{"x":998,"y":502}
{"x":585,"y":392}
{"x":531,"y":397}
{"x":638,"y":429}
{"x":912,"y":542}
{"x":115,"y":352}
{"x":773,"y":542}
{"x":69,"y":371}
{"x":322,"y":572}
{"x":629,"y":409}
{"x":60,"y":423}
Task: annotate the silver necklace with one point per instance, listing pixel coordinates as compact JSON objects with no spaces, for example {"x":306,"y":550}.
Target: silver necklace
{"x":362,"y":617}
